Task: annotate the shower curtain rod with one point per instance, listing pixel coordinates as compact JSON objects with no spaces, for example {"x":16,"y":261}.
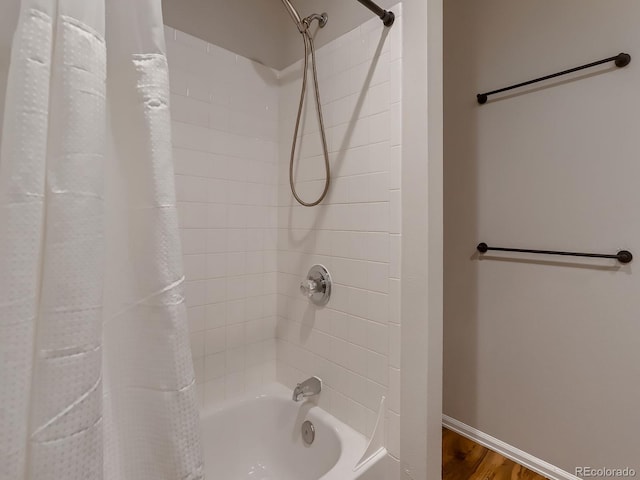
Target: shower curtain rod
{"x":386,"y":16}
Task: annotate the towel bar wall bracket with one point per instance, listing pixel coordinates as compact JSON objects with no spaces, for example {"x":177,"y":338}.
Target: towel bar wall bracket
{"x":621,"y":60}
{"x":623,"y":256}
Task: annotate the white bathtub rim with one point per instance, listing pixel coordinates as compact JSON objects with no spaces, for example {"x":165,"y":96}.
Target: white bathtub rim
{"x":353,"y":444}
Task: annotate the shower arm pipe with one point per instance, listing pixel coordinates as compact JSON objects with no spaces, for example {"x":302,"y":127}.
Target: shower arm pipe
{"x":386,"y":16}
{"x":303,"y":23}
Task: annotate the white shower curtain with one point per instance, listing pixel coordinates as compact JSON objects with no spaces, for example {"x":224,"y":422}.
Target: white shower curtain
{"x":96,"y":380}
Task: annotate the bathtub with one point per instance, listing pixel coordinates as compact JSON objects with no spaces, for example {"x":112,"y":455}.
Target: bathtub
{"x":258,"y":437}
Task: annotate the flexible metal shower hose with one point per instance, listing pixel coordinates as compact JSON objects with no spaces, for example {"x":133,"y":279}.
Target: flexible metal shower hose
{"x":308,"y":45}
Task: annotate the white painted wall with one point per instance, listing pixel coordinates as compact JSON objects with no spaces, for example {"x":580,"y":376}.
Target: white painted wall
{"x":353,"y":343}
{"x":542,"y":352}
{"x":421,"y":379}
{"x":225,"y":126}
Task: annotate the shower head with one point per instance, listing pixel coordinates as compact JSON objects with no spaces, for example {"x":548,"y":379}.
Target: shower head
{"x":303,"y":23}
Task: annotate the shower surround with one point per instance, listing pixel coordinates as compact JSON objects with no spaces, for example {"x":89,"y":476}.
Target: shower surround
{"x":225,"y":129}
{"x":353,"y":343}
{"x":247,"y":244}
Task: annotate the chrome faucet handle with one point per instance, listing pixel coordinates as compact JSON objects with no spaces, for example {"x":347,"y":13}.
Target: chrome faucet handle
{"x":317,"y":286}
{"x":308,"y":287}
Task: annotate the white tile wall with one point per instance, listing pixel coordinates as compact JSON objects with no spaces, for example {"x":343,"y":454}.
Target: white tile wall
{"x":247,"y":244}
{"x":225,"y":135}
{"x":353,"y":344}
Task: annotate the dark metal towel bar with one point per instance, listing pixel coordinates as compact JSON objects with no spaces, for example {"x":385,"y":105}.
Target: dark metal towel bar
{"x":386,"y":16}
{"x":621,"y":60}
{"x":623,"y":256}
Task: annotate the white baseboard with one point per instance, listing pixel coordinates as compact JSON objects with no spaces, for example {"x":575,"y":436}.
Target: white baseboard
{"x":512,"y":453}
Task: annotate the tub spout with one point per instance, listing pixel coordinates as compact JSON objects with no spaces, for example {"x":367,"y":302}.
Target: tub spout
{"x":311,"y":386}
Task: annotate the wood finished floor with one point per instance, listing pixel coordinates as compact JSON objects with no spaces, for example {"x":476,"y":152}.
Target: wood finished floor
{"x":463,"y":459}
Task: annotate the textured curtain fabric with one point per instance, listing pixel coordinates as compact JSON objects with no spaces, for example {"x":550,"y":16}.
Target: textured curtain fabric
{"x":96,"y":380}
